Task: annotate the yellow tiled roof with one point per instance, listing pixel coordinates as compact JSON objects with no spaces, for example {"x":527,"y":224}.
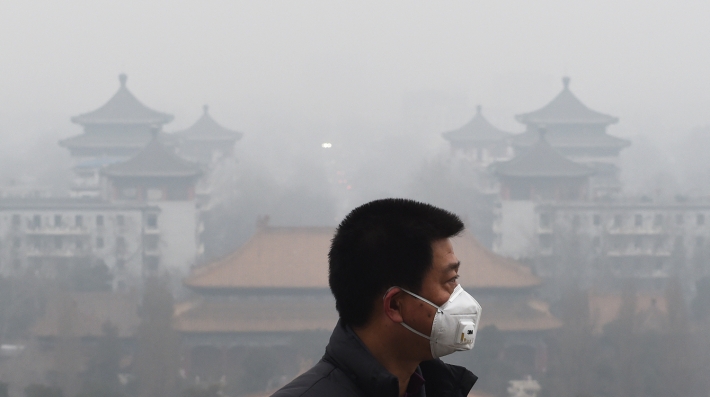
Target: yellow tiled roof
{"x":297,"y":257}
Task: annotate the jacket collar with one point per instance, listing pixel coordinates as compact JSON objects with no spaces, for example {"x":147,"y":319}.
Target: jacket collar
{"x":347,"y":352}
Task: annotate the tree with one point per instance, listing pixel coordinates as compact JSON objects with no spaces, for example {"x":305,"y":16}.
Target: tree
{"x":575,"y":350}
{"x":37,"y":390}
{"x":104,"y":365}
{"x":90,"y":276}
{"x":157,"y":355}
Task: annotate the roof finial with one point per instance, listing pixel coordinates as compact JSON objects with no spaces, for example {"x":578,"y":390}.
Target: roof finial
{"x":478,"y":109}
{"x":205,"y":108}
{"x":122,"y":78}
{"x":565,"y":82}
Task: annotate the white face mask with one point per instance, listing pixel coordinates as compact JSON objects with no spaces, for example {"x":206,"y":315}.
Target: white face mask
{"x":455,"y":323}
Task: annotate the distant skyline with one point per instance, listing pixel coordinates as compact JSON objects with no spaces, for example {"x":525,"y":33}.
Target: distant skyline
{"x":269,"y":67}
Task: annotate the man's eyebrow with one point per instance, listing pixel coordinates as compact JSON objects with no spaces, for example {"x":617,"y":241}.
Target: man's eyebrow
{"x":453,"y":266}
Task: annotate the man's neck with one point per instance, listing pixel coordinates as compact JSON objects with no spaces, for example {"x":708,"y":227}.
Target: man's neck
{"x":385,"y":353}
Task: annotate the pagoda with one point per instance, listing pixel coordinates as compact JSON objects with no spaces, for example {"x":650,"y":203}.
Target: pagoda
{"x":542,"y":173}
{"x":538,"y":174}
{"x":480,"y":140}
{"x":159,"y":177}
{"x":578,"y":133}
{"x":114,"y":132}
{"x":207,"y":141}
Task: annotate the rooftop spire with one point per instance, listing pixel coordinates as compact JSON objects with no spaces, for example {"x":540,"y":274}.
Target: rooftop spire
{"x":478,"y":109}
{"x":206,"y":108}
{"x":565,"y":82}
{"x":122,"y":78}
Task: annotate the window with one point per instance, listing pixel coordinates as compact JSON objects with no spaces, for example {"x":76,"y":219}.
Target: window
{"x":658,"y":220}
{"x":120,"y":264}
{"x":129,"y":193}
{"x":151,"y":242}
{"x":79,"y":221}
{"x":58,"y":242}
{"x":546,"y":241}
{"x":79,"y":245}
{"x":699,"y":241}
{"x":99,"y":242}
{"x":151,"y":263}
{"x":57,"y":220}
{"x":576,"y":221}
{"x":638,"y":220}
{"x":544,"y":220}
{"x":638,"y":242}
{"x":120,"y":220}
{"x":16,"y":221}
{"x":596,"y":242}
{"x":16,"y":242}
{"x":120,"y":245}
{"x":679,"y":219}
{"x":700,"y":219}
{"x":155,"y":194}
{"x":36,"y":221}
{"x":597,"y":219}
{"x":99,"y":220}
{"x":17,"y":263}
{"x":618,"y":220}
{"x":151,"y":221}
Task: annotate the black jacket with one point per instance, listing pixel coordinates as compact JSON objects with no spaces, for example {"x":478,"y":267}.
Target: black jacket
{"x":348,"y":369}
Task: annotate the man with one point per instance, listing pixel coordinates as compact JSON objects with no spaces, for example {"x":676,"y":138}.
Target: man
{"x":393,"y":273}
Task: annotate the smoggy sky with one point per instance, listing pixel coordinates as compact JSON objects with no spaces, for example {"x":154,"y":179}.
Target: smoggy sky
{"x":332,"y":62}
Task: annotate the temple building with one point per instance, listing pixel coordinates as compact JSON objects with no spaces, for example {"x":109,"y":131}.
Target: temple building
{"x":114,"y":132}
{"x":159,"y":177}
{"x":480,"y":141}
{"x":206,"y":141}
{"x":578,"y":133}
{"x":273,"y":292}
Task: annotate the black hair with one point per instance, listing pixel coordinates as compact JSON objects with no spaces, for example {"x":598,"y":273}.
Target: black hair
{"x":381,"y":244}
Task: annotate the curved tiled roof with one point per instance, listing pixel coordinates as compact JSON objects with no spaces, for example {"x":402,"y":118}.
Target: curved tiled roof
{"x":564,"y":139}
{"x":541,"y":161}
{"x":565,"y":108}
{"x":476,"y":130}
{"x":155,"y":160}
{"x":206,"y":128}
{"x":294,"y":314}
{"x":123,"y":108}
{"x":297,"y":257}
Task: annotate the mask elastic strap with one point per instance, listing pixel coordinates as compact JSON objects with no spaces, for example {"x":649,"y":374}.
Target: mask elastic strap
{"x":420,"y":298}
{"x":415,"y":331}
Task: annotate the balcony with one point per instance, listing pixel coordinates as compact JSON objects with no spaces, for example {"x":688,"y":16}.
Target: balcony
{"x":56,"y":252}
{"x":635,"y":230}
{"x":57,"y":231}
{"x":634,"y":252}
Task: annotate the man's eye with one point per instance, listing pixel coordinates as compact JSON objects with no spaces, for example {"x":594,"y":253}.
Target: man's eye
{"x":455,"y":279}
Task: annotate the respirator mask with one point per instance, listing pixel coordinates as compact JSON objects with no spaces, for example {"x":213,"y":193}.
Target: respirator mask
{"x":455,"y":323}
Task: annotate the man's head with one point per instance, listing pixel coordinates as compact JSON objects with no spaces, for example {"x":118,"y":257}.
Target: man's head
{"x":386,"y":243}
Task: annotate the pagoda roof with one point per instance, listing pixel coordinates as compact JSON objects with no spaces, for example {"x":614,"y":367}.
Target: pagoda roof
{"x":476,"y":130}
{"x":123,"y":108}
{"x":562,"y":139}
{"x":542,"y":161}
{"x":297,"y":314}
{"x":206,"y":128}
{"x":565,"y":108}
{"x":297,"y":257}
{"x":155,"y":160}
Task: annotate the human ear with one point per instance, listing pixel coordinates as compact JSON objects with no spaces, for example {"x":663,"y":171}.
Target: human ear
{"x":391,"y":304}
